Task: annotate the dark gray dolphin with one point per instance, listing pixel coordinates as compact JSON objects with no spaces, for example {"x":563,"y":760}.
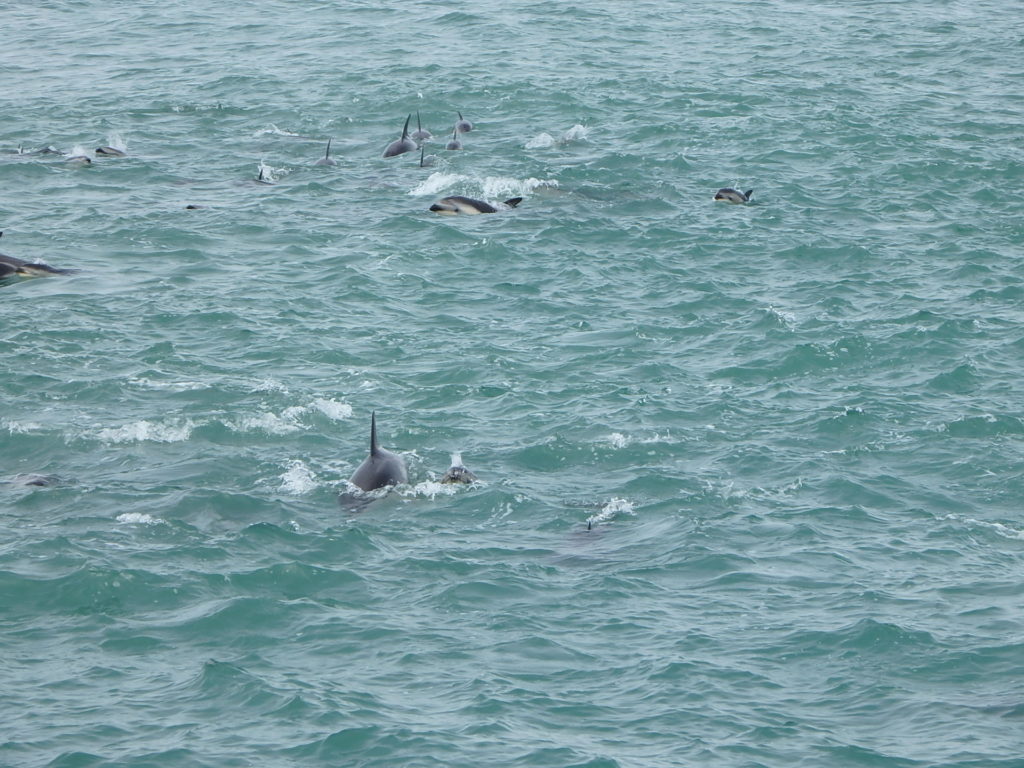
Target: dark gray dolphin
{"x":11,"y":266}
{"x":457,"y":472}
{"x":463,"y":125}
{"x":402,"y":145}
{"x":421,"y":133}
{"x":326,"y":159}
{"x":730,"y":195}
{"x":456,"y":204}
{"x":453,"y":142}
{"x":381,"y":468}
{"x":110,"y":152}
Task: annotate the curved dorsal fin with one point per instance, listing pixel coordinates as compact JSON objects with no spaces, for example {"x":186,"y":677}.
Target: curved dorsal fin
{"x":374,"y":448}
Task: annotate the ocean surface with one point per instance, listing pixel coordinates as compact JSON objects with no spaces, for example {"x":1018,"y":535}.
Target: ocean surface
{"x":750,"y":476}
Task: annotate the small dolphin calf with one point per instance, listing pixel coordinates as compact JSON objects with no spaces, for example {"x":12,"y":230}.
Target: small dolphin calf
{"x":402,"y":145}
{"x":381,"y":468}
{"x":457,"y":472}
{"x":730,"y":195}
{"x":326,"y":159}
{"x":456,"y":204}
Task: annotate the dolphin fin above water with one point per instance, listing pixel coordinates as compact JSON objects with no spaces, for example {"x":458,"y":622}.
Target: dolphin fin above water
{"x":402,"y":145}
{"x":381,"y":468}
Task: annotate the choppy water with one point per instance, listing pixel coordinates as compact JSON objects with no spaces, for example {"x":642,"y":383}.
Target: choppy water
{"x":795,"y":427}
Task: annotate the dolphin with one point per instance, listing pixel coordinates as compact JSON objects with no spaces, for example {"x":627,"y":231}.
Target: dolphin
{"x":76,"y":161}
{"x":463,"y":125}
{"x":14,"y":267}
{"x":456,"y":204}
{"x":381,"y":468}
{"x":730,"y":195}
{"x":426,"y":160}
{"x":110,"y":152}
{"x":421,"y":133}
{"x":402,"y":145}
{"x":453,"y":142}
{"x":264,"y":176}
{"x":457,"y":472}
{"x":327,"y":159}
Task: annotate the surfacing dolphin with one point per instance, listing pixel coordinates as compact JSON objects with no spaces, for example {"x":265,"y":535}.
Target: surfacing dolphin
{"x":327,"y":159}
{"x":467,"y":206}
{"x":402,"y":145}
{"x":381,"y":468}
{"x":463,"y":125}
{"x":110,"y":152}
{"x":11,"y":266}
{"x":421,"y":133}
{"x":730,"y":195}
{"x":453,"y":142}
{"x":457,"y":472}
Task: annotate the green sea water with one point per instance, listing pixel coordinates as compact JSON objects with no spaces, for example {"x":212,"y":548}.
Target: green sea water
{"x":750,"y":476}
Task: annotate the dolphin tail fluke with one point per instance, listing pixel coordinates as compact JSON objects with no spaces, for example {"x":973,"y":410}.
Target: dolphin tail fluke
{"x":748,"y":193}
{"x":512,"y":202}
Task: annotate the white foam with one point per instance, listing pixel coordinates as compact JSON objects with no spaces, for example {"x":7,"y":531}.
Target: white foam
{"x":333,"y":409}
{"x":507,"y":186}
{"x":139,"y":518}
{"x":1003,"y":530}
{"x":20,"y":427}
{"x":298,"y":479}
{"x":275,"y":131}
{"x":618,"y":440}
{"x":576,"y":133}
{"x":436,"y":182}
{"x":541,"y":141}
{"x":271,"y":423}
{"x":491,"y":187}
{"x":611,"y":510}
{"x":143,"y":431}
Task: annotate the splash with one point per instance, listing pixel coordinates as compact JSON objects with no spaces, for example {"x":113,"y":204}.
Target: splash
{"x":137,"y":518}
{"x":611,"y":510}
{"x":148,"y":431}
{"x":332,"y":409}
{"x":297,"y":479}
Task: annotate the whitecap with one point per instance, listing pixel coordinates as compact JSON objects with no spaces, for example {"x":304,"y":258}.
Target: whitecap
{"x":541,"y":141}
{"x":139,"y":518}
{"x":274,"y":131}
{"x":143,"y":431}
{"x":436,"y":182}
{"x":611,"y":510}
{"x":576,"y":133}
{"x":298,"y":479}
{"x":333,"y":409}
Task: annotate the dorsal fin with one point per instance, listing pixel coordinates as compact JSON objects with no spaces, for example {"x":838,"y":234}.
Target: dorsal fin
{"x":327,"y":154}
{"x":418,"y":126}
{"x":512,"y":202}
{"x":748,"y":193}
{"x":374,"y":448}
{"x":405,"y":130}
